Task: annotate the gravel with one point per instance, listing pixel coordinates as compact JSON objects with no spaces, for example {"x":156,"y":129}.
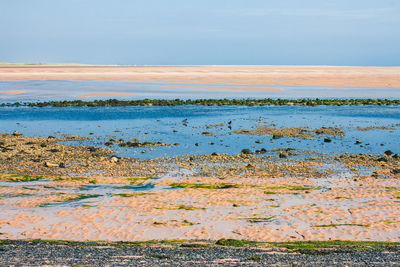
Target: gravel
{"x":32,"y":253}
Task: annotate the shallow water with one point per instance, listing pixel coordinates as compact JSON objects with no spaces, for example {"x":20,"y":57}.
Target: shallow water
{"x":184,"y":125}
{"x":72,"y":89}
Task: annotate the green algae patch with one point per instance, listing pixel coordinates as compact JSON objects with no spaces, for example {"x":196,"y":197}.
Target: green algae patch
{"x":136,"y":194}
{"x":188,"y":207}
{"x":19,"y":177}
{"x":260,"y":219}
{"x":71,"y":198}
{"x":289,"y":189}
{"x":341,"y":224}
{"x":307,"y":247}
{"x":139,"y":180}
{"x":236,"y":243}
{"x":204,"y":186}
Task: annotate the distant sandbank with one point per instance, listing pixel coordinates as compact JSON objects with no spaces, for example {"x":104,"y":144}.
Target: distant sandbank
{"x":388,"y":77}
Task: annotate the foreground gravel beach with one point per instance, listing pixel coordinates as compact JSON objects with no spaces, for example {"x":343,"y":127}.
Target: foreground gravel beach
{"x":39,"y":253}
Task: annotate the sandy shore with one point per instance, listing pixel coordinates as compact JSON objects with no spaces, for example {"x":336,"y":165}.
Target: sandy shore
{"x":13,"y":92}
{"x":231,"y":75}
{"x":253,"y":198}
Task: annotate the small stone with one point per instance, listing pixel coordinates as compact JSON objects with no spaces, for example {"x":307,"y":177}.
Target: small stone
{"x":197,"y":144}
{"x":114,"y":160}
{"x":357,"y":142}
{"x":327,"y":140}
{"x":282,"y":155}
{"x":16,"y":133}
{"x":246,"y":151}
{"x":50,"y":164}
{"x":388,"y":152}
{"x":215,"y":154}
{"x":276,"y":136}
{"x":61,"y":165}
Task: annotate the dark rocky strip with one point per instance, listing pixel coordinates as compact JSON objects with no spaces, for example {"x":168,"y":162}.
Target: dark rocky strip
{"x":209,"y":102}
{"x":65,"y":253}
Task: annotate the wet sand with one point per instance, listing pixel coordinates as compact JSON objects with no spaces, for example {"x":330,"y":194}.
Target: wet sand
{"x":229,"y":75}
{"x":13,"y":92}
{"x":251,"y":198}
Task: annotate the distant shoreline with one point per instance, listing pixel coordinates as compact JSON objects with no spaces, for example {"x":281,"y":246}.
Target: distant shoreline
{"x":246,"y":76}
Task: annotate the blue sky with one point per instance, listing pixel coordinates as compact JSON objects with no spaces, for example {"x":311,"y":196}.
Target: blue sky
{"x":202,"y":32}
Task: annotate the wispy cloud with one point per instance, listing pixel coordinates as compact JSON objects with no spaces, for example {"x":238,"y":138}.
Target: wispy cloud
{"x":360,"y":14}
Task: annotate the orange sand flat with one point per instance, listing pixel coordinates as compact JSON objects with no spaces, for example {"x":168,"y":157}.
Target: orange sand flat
{"x":13,"y":92}
{"x":105,"y":94}
{"x":233,"y":75}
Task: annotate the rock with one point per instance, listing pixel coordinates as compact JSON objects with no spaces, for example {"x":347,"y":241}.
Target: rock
{"x":276,"y":136}
{"x":327,"y":140}
{"x":246,"y":151}
{"x":50,"y":137}
{"x":215,"y":154}
{"x":43,"y":145}
{"x":50,"y":164}
{"x":282,"y":155}
{"x":258,"y":142}
{"x":197,"y":144}
{"x":249,"y":166}
{"x":357,"y":142}
{"x":16,"y":133}
{"x":114,"y":160}
{"x":61,"y":165}
{"x":388,"y":152}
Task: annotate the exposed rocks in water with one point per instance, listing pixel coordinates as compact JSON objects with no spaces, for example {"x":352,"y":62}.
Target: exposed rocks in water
{"x":246,"y":151}
{"x":370,"y":128}
{"x":327,"y":140}
{"x":388,"y":152}
{"x":136,"y":144}
{"x":283,"y":155}
{"x":208,"y":102}
{"x":16,"y":133}
{"x":297,"y":132}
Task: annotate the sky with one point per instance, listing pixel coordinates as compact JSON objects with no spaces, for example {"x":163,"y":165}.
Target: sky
{"x":201,"y":32}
